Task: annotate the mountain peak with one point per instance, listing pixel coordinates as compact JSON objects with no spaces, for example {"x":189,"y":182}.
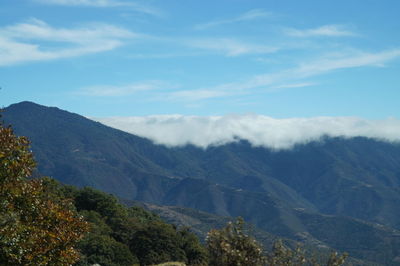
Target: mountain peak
{"x":27,"y":107}
{"x":25,"y":104}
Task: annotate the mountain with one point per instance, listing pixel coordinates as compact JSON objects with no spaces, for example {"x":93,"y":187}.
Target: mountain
{"x":340,"y":193}
{"x":202,"y":222}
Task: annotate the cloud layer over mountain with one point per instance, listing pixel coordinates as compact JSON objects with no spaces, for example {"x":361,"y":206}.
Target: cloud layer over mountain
{"x":259,"y":130}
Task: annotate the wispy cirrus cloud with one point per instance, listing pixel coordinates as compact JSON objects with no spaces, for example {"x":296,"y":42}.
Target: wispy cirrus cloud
{"x":294,"y":85}
{"x":317,"y":67}
{"x":103,"y":4}
{"x":24,"y":42}
{"x":326,"y":30}
{"x":95,"y":3}
{"x":122,"y":90}
{"x":196,"y":95}
{"x":289,"y":78}
{"x":230,"y":47}
{"x":249,"y":15}
{"x":347,"y":60}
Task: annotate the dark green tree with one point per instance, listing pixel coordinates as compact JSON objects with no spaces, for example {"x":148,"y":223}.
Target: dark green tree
{"x":157,"y":242}
{"x":196,"y":253}
{"x":142,"y":236}
{"x":106,"y":251}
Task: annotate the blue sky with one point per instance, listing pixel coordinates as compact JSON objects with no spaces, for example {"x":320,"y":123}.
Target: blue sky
{"x":136,"y":58}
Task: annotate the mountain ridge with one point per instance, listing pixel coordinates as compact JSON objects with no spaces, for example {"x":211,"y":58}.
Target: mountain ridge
{"x":335,"y":184}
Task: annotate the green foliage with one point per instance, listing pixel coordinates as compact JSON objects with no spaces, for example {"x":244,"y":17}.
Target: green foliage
{"x":94,"y":200}
{"x":281,"y":255}
{"x":196,"y":253}
{"x":230,"y":246}
{"x":284,"y":256}
{"x":124,"y":236}
{"x":171,"y":263}
{"x":157,"y":242}
{"x":97,"y":222}
{"x":36,"y":226}
{"x":142,"y":215}
{"x":336,"y":260}
{"x":105,"y":250}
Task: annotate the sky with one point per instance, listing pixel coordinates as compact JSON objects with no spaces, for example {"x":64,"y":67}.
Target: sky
{"x":209,"y":59}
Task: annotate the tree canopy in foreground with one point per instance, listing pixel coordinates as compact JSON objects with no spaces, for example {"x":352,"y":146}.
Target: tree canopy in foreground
{"x":36,"y":227}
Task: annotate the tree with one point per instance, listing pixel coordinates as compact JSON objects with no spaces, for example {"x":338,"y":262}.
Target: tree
{"x":106,"y":251}
{"x":196,"y":253}
{"x":157,"y":242}
{"x":230,"y":246}
{"x":36,"y":226}
{"x":284,"y":256}
{"x":281,"y":255}
{"x":122,"y":236}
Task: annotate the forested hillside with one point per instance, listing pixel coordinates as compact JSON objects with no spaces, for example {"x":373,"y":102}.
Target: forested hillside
{"x":340,"y":193}
{"x":45,"y":223}
{"x":126,"y":236}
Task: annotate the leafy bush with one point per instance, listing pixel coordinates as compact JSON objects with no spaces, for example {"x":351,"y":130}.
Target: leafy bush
{"x":281,"y":255}
{"x":230,"y":246}
{"x":36,"y":226}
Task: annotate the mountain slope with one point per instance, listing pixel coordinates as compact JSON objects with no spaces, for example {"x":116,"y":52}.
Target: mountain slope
{"x":311,"y":193}
{"x":201,"y":223}
{"x":82,"y":152}
{"x":356,"y":177}
{"x":79,"y":151}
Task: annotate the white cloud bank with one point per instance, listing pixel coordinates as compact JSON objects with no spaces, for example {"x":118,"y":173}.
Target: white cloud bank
{"x":259,"y":130}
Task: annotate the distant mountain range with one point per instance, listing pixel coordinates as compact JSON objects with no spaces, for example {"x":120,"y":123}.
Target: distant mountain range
{"x":339,"y":193}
